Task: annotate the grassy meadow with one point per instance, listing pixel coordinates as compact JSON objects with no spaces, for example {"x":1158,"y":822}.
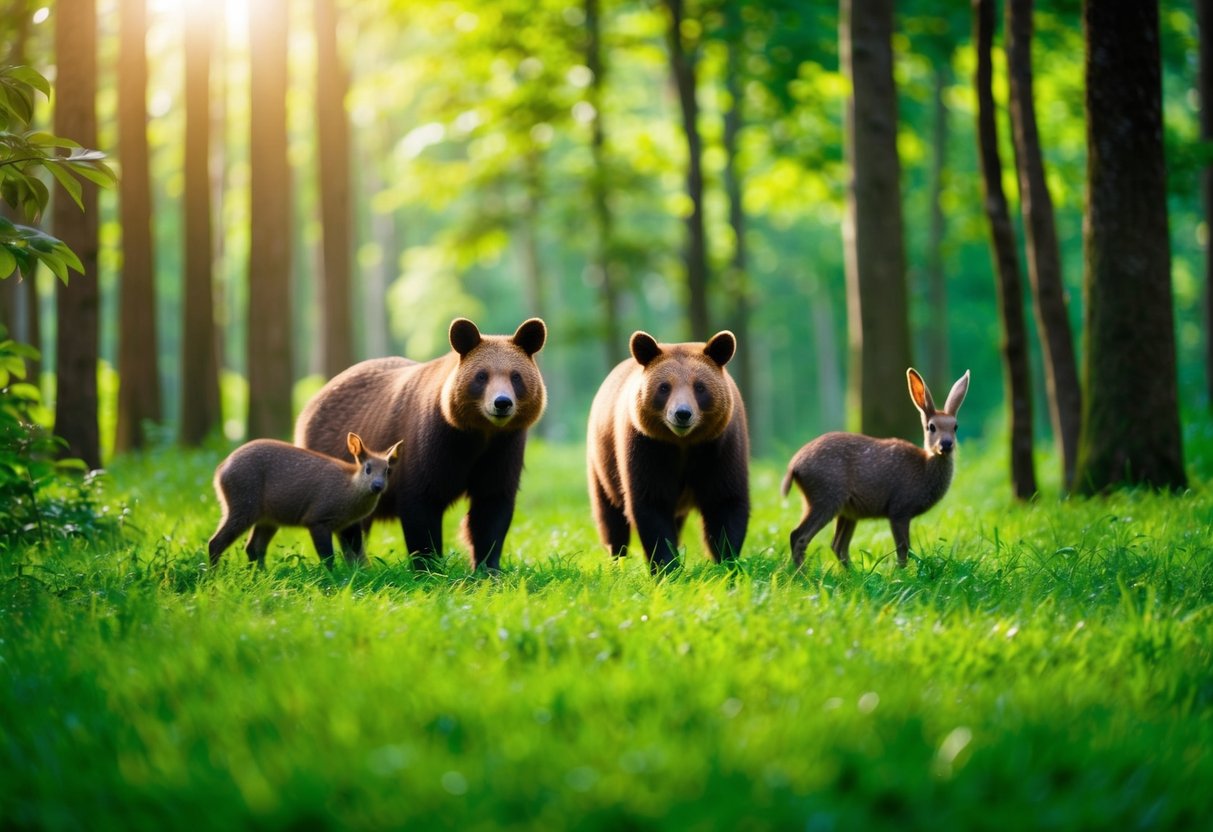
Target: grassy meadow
{"x":1044,"y":666}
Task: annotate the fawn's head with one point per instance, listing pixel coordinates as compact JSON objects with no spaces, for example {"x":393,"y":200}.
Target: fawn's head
{"x":373,"y":468}
{"x":938,"y":426}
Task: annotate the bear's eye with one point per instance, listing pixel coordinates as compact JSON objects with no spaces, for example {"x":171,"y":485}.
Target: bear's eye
{"x":664,"y":388}
{"x":700,"y":387}
{"x":516,"y":377}
{"x":482,"y":377}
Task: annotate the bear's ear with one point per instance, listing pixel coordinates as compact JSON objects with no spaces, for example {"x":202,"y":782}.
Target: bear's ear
{"x":531,"y":335}
{"x":464,"y":336}
{"x":721,"y":348}
{"x":644,"y":348}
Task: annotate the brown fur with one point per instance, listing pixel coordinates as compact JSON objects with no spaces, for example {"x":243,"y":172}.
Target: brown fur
{"x":265,"y":484}
{"x":667,"y":432}
{"x":462,"y":418}
{"x":854,"y":477}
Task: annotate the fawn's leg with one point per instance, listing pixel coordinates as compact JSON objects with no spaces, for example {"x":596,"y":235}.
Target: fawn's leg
{"x":322,"y":539}
{"x":844,"y":527}
{"x":230,"y":529}
{"x":258,"y":542}
{"x":814,"y":520}
{"x":901,"y":536}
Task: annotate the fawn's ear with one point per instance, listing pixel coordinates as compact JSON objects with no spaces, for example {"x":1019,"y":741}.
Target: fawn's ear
{"x":464,"y":336}
{"x":393,"y":453}
{"x":644,"y":348}
{"x":919,"y":393}
{"x":957,"y":396}
{"x":354,"y":442}
{"x":721,"y":347}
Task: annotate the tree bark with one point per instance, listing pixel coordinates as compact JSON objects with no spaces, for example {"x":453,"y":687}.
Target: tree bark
{"x":138,"y":373}
{"x":200,"y":401}
{"x":738,"y":285}
{"x":270,"y":365}
{"x":878,"y":319}
{"x":938,"y":359}
{"x":78,"y":301}
{"x":683,"y":70}
{"x":602,"y":265}
{"x":1017,"y":382}
{"x":336,"y":211}
{"x":1044,"y":256}
{"x":1131,"y":433}
{"x":1204,"y":17}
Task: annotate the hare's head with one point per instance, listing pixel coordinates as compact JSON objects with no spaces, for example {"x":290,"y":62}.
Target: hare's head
{"x":938,"y":426}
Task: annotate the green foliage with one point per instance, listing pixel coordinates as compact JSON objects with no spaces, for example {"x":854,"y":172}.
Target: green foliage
{"x":24,"y":155}
{"x":1049,"y":661}
{"x":44,"y":497}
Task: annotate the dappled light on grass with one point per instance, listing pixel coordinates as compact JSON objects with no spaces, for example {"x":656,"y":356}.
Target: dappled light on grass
{"x":1046,"y":661}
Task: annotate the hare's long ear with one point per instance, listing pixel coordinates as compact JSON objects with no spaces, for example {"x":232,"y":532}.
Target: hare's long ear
{"x":919,"y":393}
{"x":354,"y":442}
{"x":957,"y":396}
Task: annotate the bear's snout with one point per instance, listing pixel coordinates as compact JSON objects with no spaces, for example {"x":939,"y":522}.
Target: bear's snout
{"x":501,"y":407}
{"x":680,"y":418}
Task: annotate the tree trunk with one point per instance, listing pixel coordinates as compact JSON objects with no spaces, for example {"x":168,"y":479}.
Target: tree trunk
{"x":683,"y":71}
{"x":602,"y":265}
{"x":878,"y":319}
{"x":1204,"y":17}
{"x":336,"y":212}
{"x":1017,"y":382}
{"x":938,"y":360}
{"x":78,"y":301}
{"x":200,"y":401}
{"x":270,"y":369}
{"x":138,"y":373}
{"x":1131,"y":432}
{"x":1044,"y":256}
{"x":738,"y":287}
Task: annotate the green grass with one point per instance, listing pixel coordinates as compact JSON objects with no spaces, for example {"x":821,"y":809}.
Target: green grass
{"x":1045,"y":666}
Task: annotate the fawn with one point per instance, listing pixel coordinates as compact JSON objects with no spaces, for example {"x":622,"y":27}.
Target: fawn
{"x":855,"y":477}
{"x":265,"y":484}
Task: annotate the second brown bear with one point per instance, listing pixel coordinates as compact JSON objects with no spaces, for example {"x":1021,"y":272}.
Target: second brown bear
{"x":667,"y":433}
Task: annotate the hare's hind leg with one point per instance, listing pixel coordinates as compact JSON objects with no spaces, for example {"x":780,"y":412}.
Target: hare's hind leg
{"x":814,"y":520}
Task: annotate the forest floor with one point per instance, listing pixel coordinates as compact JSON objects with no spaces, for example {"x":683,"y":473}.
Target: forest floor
{"x":1045,"y":665}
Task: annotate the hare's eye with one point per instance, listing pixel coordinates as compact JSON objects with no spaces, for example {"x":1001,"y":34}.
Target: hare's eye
{"x":368,"y":467}
{"x":931,"y":427}
{"x":955,"y":428}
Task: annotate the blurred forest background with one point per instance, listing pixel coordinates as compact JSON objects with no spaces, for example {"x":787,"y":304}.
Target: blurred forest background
{"x":307,"y":183}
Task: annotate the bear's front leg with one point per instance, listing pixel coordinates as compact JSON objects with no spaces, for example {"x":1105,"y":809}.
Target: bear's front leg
{"x":658,"y":532}
{"x":421,"y":524}
{"x":724,"y":527}
{"x":485,"y":526}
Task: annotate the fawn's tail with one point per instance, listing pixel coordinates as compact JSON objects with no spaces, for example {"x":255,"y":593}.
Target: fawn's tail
{"x":786,"y":485}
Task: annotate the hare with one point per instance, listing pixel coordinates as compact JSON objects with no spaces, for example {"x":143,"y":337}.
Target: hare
{"x":855,"y":477}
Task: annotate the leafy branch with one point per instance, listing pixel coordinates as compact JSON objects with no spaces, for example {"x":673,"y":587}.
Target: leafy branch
{"x":24,"y":155}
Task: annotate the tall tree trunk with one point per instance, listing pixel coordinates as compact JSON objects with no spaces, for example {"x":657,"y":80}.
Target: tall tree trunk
{"x":533,"y":277}
{"x":138,"y":373}
{"x":1044,"y":256}
{"x":938,"y":360}
{"x":1017,"y":381}
{"x":683,"y":69}
{"x":878,"y":318}
{"x":602,"y":265}
{"x":200,"y":402}
{"x":78,"y":301}
{"x":1204,"y":16}
{"x":336,"y":212}
{"x":270,"y":367}
{"x":372,"y":311}
{"x":1131,"y":432}
{"x":738,"y":287}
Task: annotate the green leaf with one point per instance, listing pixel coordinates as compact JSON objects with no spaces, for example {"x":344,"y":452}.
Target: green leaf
{"x":70,"y":183}
{"x":8,"y":263}
{"x":96,"y":172}
{"x":29,"y":75}
{"x":70,"y":258}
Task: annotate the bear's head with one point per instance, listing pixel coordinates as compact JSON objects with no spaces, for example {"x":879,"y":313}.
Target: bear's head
{"x":683,"y":393}
{"x":496,"y":384}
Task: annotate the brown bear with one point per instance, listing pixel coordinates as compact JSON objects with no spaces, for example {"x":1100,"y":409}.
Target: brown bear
{"x":667,"y":432}
{"x":462,"y":422}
